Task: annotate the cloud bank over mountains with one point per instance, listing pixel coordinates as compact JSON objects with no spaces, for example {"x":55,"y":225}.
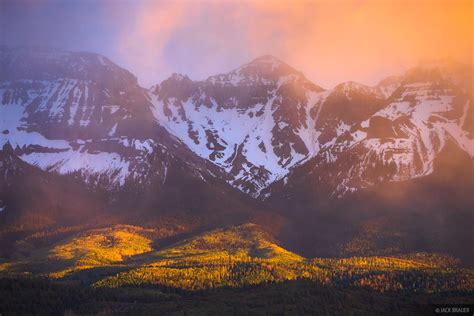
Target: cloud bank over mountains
{"x":333,"y":41}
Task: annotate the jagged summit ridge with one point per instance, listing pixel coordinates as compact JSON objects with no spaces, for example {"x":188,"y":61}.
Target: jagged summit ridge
{"x":262,"y":71}
{"x":52,"y":64}
{"x":291,"y":121}
{"x":79,"y":112}
{"x":267,"y":59}
{"x":242,"y":120}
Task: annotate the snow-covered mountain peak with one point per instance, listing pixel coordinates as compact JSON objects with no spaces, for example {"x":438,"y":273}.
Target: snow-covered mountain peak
{"x":79,"y":112}
{"x":268,"y":59}
{"x":389,"y":85}
{"x":68,"y":112}
{"x":251,"y":121}
{"x":350,"y":87}
{"x":178,"y":77}
{"x":52,"y":64}
{"x":266,"y":71}
{"x":394,"y":133}
{"x":442,"y":72}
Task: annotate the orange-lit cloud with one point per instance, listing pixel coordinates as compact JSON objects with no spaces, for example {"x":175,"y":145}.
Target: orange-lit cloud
{"x":330,"y":41}
{"x":152,"y":26}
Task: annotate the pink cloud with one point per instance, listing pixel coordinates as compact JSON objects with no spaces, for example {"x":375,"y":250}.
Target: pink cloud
{"x":331,"y":41}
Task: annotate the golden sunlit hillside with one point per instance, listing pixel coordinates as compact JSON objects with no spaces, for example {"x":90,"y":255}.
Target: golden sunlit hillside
{"x":129,"y":259}
{"x":244,"y":255}
{"x":85,"y":250}
{"x":231,"y":257}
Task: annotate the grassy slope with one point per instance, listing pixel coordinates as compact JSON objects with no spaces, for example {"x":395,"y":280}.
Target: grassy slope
{"x":84,"y":250}
{"x":123,"y":256}
{"x":245,"y":255}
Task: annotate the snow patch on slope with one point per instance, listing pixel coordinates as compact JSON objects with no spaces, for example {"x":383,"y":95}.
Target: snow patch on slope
{"x":110,"y":164}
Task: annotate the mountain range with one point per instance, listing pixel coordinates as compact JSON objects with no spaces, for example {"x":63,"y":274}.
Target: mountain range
{"x":80,"y":137}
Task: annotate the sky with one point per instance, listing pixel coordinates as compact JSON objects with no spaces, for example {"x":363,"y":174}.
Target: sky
{"x":329,"y":41}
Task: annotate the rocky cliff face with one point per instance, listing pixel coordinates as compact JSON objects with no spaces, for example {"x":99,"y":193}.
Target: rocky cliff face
{"x":247,"y":121}
{"x":253,"y":127}
{"x":264,"y":119}
{"x":397,"y":139}
{"x":80,"y":113}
